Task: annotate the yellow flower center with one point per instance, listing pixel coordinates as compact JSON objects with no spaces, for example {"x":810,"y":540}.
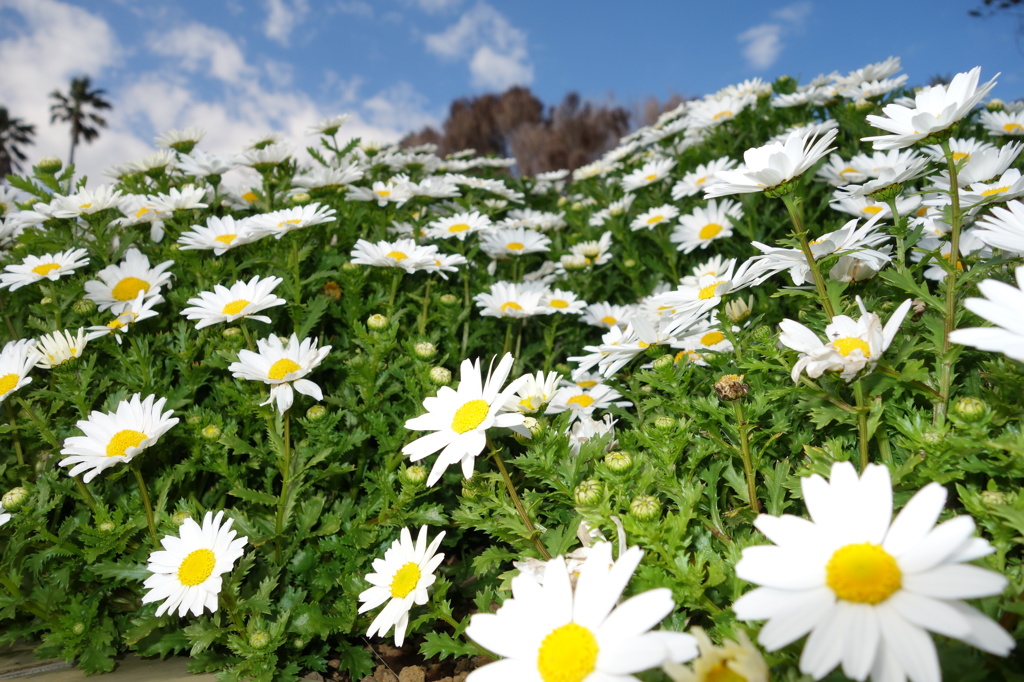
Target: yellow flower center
{"x":285,"y":223}
{"x":583,"y":400}
{"x":558,"y":303}
{"x":721,"y":672}
{"x":709,"y":291}
{"x":45,"y":269}
{"x":711,"y":338}
{"x":1012,"y":129}
{"x":609,"y":320}
{"x":382,"y":192}
{"x":458,"y":227}
{"x":85,"y":206}
{"x":196,"y":567}
{"x":515,"y":246}
{"x":225,"y":238}
{"x":282,"y":368}
{"x":8,"y":382}
{"x":511,"y":305}
{"x":872,"y":209}
{"x":994,"y":191}
{"x":848,"y":344}
{"x":470,"y":415}
{"x":129,"y":288}
{"x":846,"y":171}
{"x":651,"y":178}
{"x":722,"y":114}
{"x":710,"y":231}
{"x":655,"y":219}
{"x":141,"y":212}
{"x":122,"y":440}
{"x":567,"y":654}
{"x":701,"y":180}
{"x":250,"y":197}
{"x":405,"y":580}
{"x":864,"y":573}
{"x":960,"y":155}
{"x":586,"y":383}
{"x":397,"y":255}
{"x":235,"y":307}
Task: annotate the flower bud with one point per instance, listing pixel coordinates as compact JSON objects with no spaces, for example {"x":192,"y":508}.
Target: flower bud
{"x":106,"y":527}
{"x":970,"y":409}
{"x":301,"y":198}
{"x":14,"y":498}
{"x":448,"y":300}
{"x":664,"y":422}
{"x":533,"y":426}
{"x":993,"y":497}
{"x":994,"y":104}
{"x":618,"y":461}
{"x":84,"y":306}
{"x":49,"y":165}
{"x":316,"y":413}
{"x":350,"y":266}
{"x":377,"y":322}
{"x":738,"y":310}
{"x":194,"y":419}
{"x":230,"y":332}
{"x":46,"y":300}
{"x":424,"y":350}
{"x":731,"y":387}
{"x":762,"y":334}
{"x":588,"y":492}
{"x":259,"y":639}
{"x":663,"y":361}
{"x":645,"y":507}
{"x":179,"y":517}
{"x":332,"y":290}
{"x":211,"y":432}
{"x":574,"y":261}
{"x":440,"y":376}
{"x":415,"y":474}
{"x":78,"y":628}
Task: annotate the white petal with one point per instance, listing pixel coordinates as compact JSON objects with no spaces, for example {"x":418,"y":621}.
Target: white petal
{"x":956,"y":581}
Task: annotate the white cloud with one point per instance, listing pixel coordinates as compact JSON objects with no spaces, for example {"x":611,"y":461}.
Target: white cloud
{"x":399,"y":107}
{"x":494,"y":49}
{"x":358,"y":8}
{"x":435,"y":6}
{"x":202,"y":48}
{"x":283,"y":17}
{"x":762,"y":44}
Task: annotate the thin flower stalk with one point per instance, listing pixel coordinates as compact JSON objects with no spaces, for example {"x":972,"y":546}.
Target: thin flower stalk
{"x":518,"y":503}
{"x":793,"y":206}
{"x":955,"y":221}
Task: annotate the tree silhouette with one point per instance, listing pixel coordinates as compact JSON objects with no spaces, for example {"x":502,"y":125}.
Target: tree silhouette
{"x":74,"y":108}
{"x":14,"y":134}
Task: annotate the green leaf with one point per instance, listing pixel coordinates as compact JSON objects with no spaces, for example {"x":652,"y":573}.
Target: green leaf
{"x":442,"y":645}
{"x":254,"y":496}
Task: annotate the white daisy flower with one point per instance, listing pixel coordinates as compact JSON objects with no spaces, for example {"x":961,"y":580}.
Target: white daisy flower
{"x":329,"y":126}
{"x":180,"y":140}
{"x":458,"y":226}
{"x":868,"y":587}
{"x":936,"y":108}
{"x":324,"y":177}
{"x":551,"y":631}
{"x":513,"y":241}
{"x":279,"y":223}
{"x":51,"y":266}
{"x":188,"y":197}
{"x":509,"y":299}
{"x":218,"y":235}
{"x":658,"y":215}
{"x":242,"y":300}
{"x":121,"y":284}
{"x":770,"y":167}
{"x":534,"y":392}
{"x":1002,"y":307}
{"x":405,"y":254}
{"x":141,"y":308}
{"x":737,"y":661}
{"x":199,"y":164}
{"x":85,"y":202}
{"x":700,"y":177}
{"x":282,"y":367}
{"x":704,"y":225}
{"x":584,"y":401}
{"x":116,"y":437}
{"x":401,"y":578}
{"x":1003,"y":123}
{"x":648,"y":174}
{"x":187,"y":571}
{"x":16,"y":360}
{"x":59,"y":348}
{"x":1003,"y":228}
{"x":4,"y":516}
{"x":560,"y":301}
{"x":459,"y":418}
{"x":607,"y":315}
{"x":853,"y":345}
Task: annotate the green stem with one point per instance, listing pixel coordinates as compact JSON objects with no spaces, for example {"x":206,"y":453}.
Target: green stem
{"x":248,"y":337}
{"x":426,"y":305}
{"x":286,"y":485}
{"x":396,"y":278}
{"x":465,"y":309}
{"x":86,"y":495}
{"x":40,"y":425}
{"x":507,"y":345}
{"x":30,"y":605}
{"x":862,"y":424}
{"x":748,"y":467}
{"x":518,"y":503}
{"x":792,"y":205}
{"x":145,"y":502}
{"x":946,"y":370}
{"x":899,"y":229}
{"x":231,"y":606}
{"x":14,"y":434}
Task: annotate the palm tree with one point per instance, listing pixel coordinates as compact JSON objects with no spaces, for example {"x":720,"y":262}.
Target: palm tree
{"x":14,"y":133}
{"x":74,"y":109}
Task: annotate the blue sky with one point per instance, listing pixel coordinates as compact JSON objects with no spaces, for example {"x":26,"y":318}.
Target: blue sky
{"x":239,"y":68}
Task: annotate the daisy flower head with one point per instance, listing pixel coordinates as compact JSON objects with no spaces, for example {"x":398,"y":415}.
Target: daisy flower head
{"x":514,"y":241}
{"x":458,"y":226}
{"x":1004,"y":228}
{"x":648,"y":174}
{"x":550,"y":631}
{"x":141,"y":308}
{"x":511,"y":299}
{"x":122,"y":283}
{"x":772,"y":167}
{"x":329,"y":126}
{"x":180,"y":140}
{"x":242,"y":300}
{"x":659,"y":215}
{"x":583,"y":401}
{"x":607,"y":315}
{"x":283,"y":366}
{"x":1003,"y":123}
{"x":85,"y":202}
{"x":186,"y":573}
{"x":714,"y":111}
{"x":116,"y":437}
{"x":865,"y":586}
{"x":736,"y":661}
{"x":534,"y":392}
{"x":16,"y":360}
{"x":936,"y":109}
{"x":1002,"y":307}
{"x":459,"y":418}
{"x":188,"y":197}
{"x":199,"y":164}
{"x":218,"y":235}
{"x":404,"y":254}
{"x":51,"y":266}
{"x":279,"y":223}
{"x":401,"y":579}
{"x":853,"y":345}
{"x":560,"y":301}
{"x":59,"y":348}
{"x":704,"y":225}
